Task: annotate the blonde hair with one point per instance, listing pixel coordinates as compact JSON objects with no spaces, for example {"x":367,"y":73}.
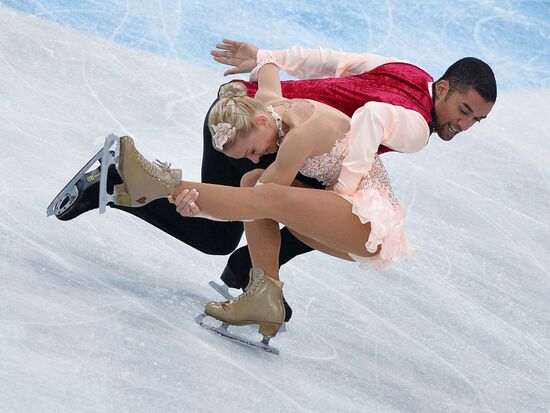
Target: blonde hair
{"x":234,"y":109}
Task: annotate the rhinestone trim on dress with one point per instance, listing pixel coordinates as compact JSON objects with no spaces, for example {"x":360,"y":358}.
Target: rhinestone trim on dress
{"x":378,"y":179}
{"x":326,"y":167}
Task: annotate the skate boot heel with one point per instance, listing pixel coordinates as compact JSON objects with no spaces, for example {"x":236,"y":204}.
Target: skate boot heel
{"x":269,"y":330}
{"x":121,"y":197}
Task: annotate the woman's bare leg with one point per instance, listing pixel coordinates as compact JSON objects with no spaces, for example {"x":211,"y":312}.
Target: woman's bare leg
{"x":320,"y":215}
{"x":320,"y":247}
{"x":262,"y":235}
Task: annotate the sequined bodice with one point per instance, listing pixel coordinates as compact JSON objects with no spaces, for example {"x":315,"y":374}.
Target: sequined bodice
{"x":326,"y":167}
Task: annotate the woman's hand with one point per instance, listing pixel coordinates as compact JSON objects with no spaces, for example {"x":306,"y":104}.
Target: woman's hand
{"x":240,"y":55}
{"x":185,"y":203}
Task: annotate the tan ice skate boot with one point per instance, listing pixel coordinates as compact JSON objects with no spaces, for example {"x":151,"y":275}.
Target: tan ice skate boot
{"x":144,"y":181}
{"x":261,"y":303}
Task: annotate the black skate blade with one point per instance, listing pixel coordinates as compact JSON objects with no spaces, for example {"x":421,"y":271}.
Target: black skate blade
{"x":223,"y":290}
{"x":108,"y":158}
{"x":224,"y":332}
{"x":57,"y":206}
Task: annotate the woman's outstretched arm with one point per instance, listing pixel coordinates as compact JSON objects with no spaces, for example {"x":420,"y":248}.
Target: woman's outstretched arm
{"x":269,"y":81}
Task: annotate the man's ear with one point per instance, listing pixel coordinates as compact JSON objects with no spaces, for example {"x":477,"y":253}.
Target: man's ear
{"x":442,"y":89}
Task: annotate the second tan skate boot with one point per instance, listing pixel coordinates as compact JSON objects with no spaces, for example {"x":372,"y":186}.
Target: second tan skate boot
{"x":261,"y":303}
{"x":144,"y":181}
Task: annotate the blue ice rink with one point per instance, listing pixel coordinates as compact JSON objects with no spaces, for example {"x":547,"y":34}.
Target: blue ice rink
{"x":96,"y":314}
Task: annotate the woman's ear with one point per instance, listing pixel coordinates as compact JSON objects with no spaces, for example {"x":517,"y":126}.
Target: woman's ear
{"x":261,"y":120}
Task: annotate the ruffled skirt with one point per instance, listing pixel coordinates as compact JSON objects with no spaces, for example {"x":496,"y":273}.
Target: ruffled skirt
{"x":375,"y":202}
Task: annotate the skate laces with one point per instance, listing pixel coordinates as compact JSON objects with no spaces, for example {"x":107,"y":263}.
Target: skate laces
{"x":250,"y":288}
{"x":157,"y":169}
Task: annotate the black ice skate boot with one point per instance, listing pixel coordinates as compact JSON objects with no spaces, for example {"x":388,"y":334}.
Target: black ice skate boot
{"x":85,"y":196}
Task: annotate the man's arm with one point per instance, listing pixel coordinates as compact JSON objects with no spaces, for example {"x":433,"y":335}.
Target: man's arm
{"x":375,"y":124}
{"x":317,"y":63}
{"x":297,"y":61}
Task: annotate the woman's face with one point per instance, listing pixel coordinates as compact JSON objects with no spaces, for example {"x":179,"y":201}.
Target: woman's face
{"x":262,"y":140}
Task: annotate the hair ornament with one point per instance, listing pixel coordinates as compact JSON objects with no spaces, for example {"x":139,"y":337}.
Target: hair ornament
{"x":223,"y":132}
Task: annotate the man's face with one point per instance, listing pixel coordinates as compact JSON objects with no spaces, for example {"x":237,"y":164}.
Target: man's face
{"x":456,"y":112}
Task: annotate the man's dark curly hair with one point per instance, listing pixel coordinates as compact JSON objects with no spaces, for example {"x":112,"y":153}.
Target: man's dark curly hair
{"x":470,"y":72}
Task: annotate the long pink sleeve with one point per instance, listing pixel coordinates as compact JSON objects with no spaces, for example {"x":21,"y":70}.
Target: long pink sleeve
{"x":316,"y":63}
{"x":375,"y":124}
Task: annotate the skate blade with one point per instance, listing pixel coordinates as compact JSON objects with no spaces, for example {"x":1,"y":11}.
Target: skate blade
{"x":109,"y":157}
{"x":223,"y":290}
{"x":69,"y":193}
{"x":224,"y":332}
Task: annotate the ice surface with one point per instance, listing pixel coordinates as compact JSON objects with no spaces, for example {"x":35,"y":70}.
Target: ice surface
{"x":97,"y":314}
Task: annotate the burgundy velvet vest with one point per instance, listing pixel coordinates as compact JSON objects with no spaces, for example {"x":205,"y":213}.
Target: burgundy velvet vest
{"x":400,"y":84}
